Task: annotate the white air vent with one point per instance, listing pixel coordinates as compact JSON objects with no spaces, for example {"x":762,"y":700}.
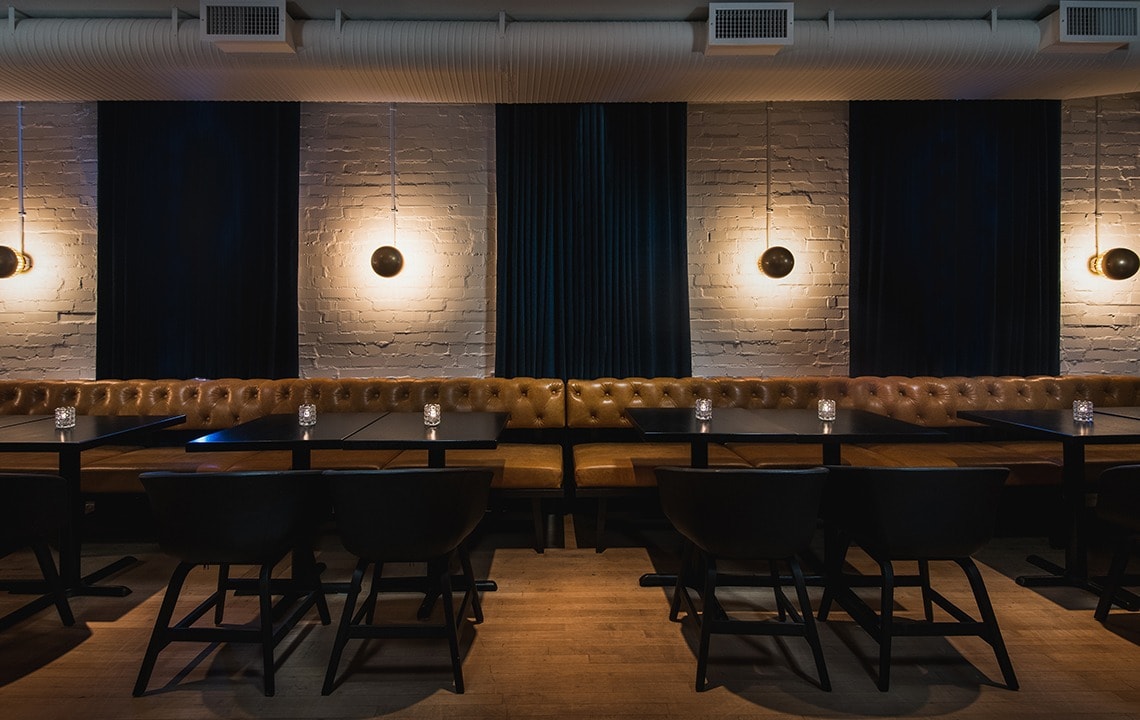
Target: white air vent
{"x":1090,"y":26}
{"x":749,"y":28}
{"x":250,"y":26}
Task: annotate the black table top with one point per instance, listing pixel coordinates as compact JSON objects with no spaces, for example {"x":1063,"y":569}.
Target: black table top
{"x":89,"y":431}
{"x":769,"y":425}
{"x":283,"y":432}
{"x":9,"y":420}
{"x":1128,"y":412}
{"x":1059,"y":424}
{"x":406,"y":430}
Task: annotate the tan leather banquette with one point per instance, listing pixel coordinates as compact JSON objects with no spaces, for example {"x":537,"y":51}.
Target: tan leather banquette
{"x":599,"y":406}
{"x":534,"y":404}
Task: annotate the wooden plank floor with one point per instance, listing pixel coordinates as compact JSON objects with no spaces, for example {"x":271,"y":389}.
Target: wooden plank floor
{"x":570,"y":633}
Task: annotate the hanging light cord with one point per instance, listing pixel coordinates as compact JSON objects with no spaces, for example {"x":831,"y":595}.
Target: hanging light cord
{"x":1096,"y":182}
{"x":392,"y":163}
{"x":20,"y":168}
{"x":767,"y":176}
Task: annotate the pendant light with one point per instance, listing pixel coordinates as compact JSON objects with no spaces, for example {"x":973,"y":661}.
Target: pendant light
{"x":1118,"y":263}
{"x":387,"y":260}
{"x":17,"y":261}
{"x":775,"y":262}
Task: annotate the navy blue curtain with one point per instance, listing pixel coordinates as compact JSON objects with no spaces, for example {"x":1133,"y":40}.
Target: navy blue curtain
{"x":955,"y":237}
{"x":592,"y":275}
{"x":198,"y":239}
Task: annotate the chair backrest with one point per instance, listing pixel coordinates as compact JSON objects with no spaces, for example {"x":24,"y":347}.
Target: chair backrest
{"x":407,"y":515}
{"x":916,"y":513}
{"x":743,"y":513}
{"x":31,"y":506}
{"x":232,"y":517}
{"x":1118,"y":496}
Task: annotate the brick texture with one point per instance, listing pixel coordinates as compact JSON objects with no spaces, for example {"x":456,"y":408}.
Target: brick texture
{"x":437,"y":317}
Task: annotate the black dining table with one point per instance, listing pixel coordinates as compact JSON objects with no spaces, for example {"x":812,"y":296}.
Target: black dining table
{"x":281,"y":431}
{"x":37,"y":433}
{"x":773,"y":425}
{"x":406,"y":431}
{"x":1110,"y":425}
{"x":1125,"y":412}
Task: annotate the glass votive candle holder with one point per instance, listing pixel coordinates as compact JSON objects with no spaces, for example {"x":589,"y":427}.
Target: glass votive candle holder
{"x":826,"y":410}
{"x":65,"y":417}
{"x":702,"y":409}
{"x":1083,"y":411}
{"x":307,"y":415}
{"x":432,"y":414}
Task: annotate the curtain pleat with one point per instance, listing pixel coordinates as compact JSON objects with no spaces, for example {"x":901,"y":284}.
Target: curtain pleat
{"x":955,"y":238}
{"x":198,"y":239}
{"x":592,"y":270}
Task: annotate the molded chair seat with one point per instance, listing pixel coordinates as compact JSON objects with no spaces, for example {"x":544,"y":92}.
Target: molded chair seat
{"x":420,"y":515}
{"x":748,"y":516}
{"x":33,"y":508}
{"x":1118,"y":507}
{"x":236,"y":518}
{"x":912,"y":514}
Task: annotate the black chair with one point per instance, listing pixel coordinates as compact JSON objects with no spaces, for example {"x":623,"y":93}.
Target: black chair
{"x":912,"y":514}
{"x":407,"y":516}
{"x":33,"y":508}
{"x":1118,"y":507}
{"x":747,"y":516}
{"x":236,"y":518}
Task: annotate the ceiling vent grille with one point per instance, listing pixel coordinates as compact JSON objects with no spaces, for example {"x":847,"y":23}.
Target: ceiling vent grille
{"x":1090,"y":26}
{"x":249,"y":26}
{"x":749,"y":28}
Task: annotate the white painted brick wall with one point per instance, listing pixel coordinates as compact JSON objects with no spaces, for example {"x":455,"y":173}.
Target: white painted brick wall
{"x":1100,"y":318}
{"x":47,"y":316}
{"x":743,"y":322}
{"x":437,"y":316}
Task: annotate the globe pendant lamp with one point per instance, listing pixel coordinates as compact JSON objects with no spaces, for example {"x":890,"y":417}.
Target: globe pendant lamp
{"x":1118,"y":263}
{"x":775,"y":262}
{"x":387,"y":260}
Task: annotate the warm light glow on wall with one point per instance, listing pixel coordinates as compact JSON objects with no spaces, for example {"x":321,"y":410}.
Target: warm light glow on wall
{"x":414,"y":280}
{"x":42,"y":284}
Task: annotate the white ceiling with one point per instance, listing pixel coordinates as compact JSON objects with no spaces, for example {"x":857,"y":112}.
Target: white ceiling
{"x":567,"y":51}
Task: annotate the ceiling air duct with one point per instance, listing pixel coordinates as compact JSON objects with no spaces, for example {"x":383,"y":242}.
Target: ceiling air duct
{"x":1090,"y":26}
{"x":247,"y":26}
{"x":749,"y":28}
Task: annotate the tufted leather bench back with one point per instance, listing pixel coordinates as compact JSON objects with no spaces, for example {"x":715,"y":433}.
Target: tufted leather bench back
{"x":533,"y":403}
{"x":930,"y":401}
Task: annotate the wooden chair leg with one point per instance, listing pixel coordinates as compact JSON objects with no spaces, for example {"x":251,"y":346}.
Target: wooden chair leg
{"x":51,"y":576}
{"x":687,"y":554}
{"x":834,"y":555}
{"x":993,"y":632}
{"x":708,"y":617}
{"x":774,"y":574}
{"x":266,"y":618}
{"x":886,"y":624}
{"x":1121,"y":551}
{"x":451,"y":623}
{"x":811,"y":632}
{"x":472,"y":591}
{"x":223,"y":582}
{"x":369,"y":604}
{"x":924,"y":580}
{"x":343,"y":627}
{"x":159,"y":636}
